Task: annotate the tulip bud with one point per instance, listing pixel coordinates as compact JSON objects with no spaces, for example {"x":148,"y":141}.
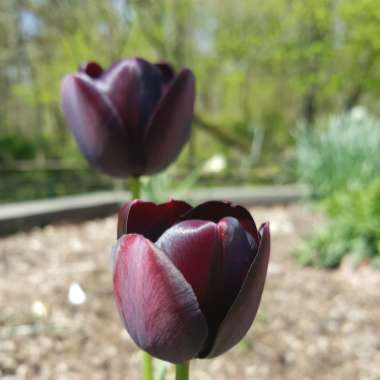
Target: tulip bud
{"x":132,"y":118}
{"x":188,"y":281}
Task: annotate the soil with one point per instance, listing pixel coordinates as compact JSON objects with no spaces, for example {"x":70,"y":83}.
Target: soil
{"x":312,"y":324}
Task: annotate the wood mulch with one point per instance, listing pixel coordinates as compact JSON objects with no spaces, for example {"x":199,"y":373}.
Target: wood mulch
{"x":312,"y":324}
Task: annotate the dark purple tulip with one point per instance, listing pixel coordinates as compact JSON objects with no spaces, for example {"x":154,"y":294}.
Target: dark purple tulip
{"x":188,"y":281}
{"x":132,"y":118}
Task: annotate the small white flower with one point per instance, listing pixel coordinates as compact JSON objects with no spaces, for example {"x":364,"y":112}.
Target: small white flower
{"x":358,"y":113}
{"x":39,"y":309}
{"x":76,"y":295}
{"x":215,"y":164}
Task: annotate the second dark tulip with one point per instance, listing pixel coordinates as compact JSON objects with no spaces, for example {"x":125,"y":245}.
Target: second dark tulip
{"x":132,"y":118}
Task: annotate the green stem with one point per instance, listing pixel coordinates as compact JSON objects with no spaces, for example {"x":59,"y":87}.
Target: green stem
{"x":147,"y":366}
{"x":182,"y":371}
{"x":147,"y":360}
{"x":135,"y":187}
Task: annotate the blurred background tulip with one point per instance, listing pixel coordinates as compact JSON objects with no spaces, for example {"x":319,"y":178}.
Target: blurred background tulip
{"x":132,"y":118}
{"x":188,"y":281}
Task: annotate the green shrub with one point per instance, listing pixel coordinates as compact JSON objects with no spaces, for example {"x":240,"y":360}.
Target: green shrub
{"x":353,"y":229}
{"x":16,"y":147}
{"x":342,"y":166}
{"x":341,"y":156}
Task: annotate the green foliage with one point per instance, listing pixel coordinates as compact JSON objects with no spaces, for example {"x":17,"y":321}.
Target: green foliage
{"x":161,"y":187}
{"x":261,"y":66}
{"x":16,"y":147}
{"x":341,"y":163}
{"x":353,"y":229}
{"x":342,"y":156}
{"x":17,"y":186}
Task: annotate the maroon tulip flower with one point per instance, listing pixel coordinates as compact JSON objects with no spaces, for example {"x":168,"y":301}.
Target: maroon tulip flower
{"x":132,"y":118}
{"x":188,"y":281}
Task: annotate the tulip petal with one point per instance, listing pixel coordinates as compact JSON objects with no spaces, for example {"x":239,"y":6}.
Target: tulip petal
{"x":149,"y":219}
{"x":170,"y":125}
{"x":167,"y":72}
{"x":96,"y":126}
{"x":92,"y":69}
{"x":157,"y":305}
{"x":134,"y":88}
{"x":243,"y":311}
{"x":194,"y":248}
{"x":238,"y":255}
{"x":217,"y":210}
{"x":214,"y":259}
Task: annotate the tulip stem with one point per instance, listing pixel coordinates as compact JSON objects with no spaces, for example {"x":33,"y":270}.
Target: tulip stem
{"x":182,"y":371}
{"x":147,"y":360}
{"x":135,"y":187}
{"x":147,"y":366}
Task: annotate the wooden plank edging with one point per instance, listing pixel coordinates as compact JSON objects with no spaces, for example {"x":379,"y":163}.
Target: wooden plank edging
{"x":24,"y":215}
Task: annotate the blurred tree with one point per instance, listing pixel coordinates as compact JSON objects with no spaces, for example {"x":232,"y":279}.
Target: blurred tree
{"x":261,"y":66}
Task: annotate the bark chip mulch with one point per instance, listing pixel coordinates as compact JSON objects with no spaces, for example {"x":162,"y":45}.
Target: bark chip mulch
{"x":312,"y":324}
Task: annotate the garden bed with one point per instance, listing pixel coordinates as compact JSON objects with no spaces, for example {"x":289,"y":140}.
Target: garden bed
{"x":312,"y":324}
